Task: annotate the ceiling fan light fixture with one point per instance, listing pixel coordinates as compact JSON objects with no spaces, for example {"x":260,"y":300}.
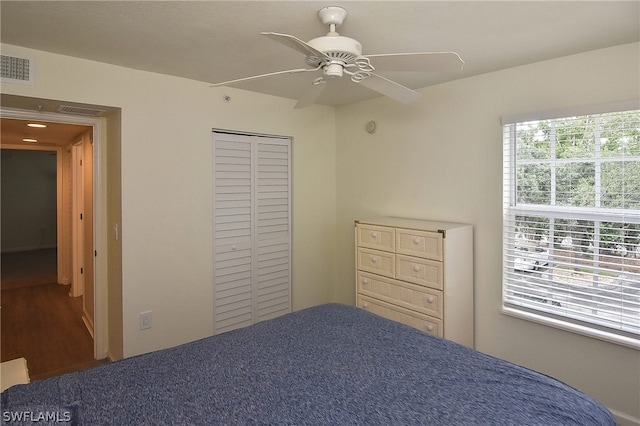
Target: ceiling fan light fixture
{"x":333,"y":70}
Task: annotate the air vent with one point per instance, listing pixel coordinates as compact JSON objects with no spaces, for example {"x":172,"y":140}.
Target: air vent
{"x":81,"y":110}
{"x":17,"y":70}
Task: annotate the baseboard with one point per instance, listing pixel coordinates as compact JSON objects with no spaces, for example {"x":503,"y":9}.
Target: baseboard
{"x":112,"y":357}
{"x":625,"y":419}
{"x":87,"y":322}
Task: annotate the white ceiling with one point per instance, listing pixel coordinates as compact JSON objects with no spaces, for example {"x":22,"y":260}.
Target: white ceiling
{"x":214,"y":41}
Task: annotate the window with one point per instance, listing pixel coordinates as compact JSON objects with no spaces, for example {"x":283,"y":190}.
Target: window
{"x":572,"y":223}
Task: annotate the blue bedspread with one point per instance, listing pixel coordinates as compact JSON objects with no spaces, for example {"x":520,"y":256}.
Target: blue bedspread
{"x":327,"y":365}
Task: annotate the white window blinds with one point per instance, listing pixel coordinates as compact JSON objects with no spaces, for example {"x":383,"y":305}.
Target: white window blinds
{"x":572,"y":222}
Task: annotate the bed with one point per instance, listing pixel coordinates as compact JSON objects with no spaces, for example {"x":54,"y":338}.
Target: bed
{"x":327,"y":365}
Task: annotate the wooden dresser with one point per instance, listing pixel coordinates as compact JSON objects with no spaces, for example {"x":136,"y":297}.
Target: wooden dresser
{"x":417,"y":272}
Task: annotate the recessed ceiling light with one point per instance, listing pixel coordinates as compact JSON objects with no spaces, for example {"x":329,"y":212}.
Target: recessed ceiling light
{"x":29,"y":140}
{"x":38,"y":125}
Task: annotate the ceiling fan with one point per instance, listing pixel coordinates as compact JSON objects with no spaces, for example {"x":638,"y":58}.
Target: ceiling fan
{"x":335,"y":55}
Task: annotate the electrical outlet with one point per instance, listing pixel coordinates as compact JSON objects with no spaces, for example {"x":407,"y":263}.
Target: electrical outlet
{"x":145,"y":320}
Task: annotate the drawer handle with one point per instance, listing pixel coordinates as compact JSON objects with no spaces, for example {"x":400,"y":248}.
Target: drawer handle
{"x":365,"y":281}
{"x":374,"y":260}
{"x":416,"y":268}
{"x":416,"y":240}
{"x":429,"y":327}
{"x":430,"y":299}
{"x":374,"y":235}
{"x":365,"y":305}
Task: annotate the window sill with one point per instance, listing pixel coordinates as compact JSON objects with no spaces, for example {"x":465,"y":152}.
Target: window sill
{"x":617,"y":339}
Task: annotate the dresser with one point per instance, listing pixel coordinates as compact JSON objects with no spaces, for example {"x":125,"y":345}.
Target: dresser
{"x":417,"y":272}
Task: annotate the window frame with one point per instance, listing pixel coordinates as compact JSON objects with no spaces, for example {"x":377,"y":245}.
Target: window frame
{"x":598,"y":215}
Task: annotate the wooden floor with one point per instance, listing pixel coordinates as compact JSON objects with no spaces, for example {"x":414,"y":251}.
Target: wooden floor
{"x":28,"y":268}
{"x":39,"y":321}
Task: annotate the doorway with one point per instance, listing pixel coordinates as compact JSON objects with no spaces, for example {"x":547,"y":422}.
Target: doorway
{"x":72,"y":311}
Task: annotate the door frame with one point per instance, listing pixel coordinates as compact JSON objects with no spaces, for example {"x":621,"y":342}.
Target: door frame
{"x":77,"y":223}
{"x":101,"y":335}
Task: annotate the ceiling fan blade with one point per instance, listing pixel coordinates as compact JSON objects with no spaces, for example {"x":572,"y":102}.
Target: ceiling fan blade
{"x":390,"y":88}
{"x":296,"y":44}
{"x":429,"y":61}
{"x":255,"y":77}
{"x":311,"y":93}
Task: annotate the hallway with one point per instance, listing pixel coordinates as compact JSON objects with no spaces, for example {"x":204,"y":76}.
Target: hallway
{"x":39,"y":321}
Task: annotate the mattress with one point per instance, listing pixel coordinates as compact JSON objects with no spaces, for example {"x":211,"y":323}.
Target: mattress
{"x":327,"y":365}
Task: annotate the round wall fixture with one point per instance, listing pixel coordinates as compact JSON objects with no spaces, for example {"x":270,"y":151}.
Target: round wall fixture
{"x":371,"y":127}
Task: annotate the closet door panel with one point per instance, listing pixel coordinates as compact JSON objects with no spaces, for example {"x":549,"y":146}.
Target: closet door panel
{"x":233,"y":273}
{"x":273,"y":228}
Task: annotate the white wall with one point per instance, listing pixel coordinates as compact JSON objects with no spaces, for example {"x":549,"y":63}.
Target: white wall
{"x":442,"y":159}
{"x":166,"y":230}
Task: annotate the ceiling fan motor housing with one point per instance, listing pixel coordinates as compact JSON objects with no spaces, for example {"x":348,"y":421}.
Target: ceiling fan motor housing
{"x":342,"y":50}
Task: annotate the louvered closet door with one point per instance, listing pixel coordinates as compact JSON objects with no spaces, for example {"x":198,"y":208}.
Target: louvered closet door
{"x":272,"y":228}
{"x":252,"y":229}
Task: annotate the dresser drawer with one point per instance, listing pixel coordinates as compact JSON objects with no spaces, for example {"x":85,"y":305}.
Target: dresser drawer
{"x":419,"y":271}
{"x":419,"y":243}
{"x":395,"y":313}
{"x":378,"y":262}
{"x":376,"y":237}
{"x":422,"y":299}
